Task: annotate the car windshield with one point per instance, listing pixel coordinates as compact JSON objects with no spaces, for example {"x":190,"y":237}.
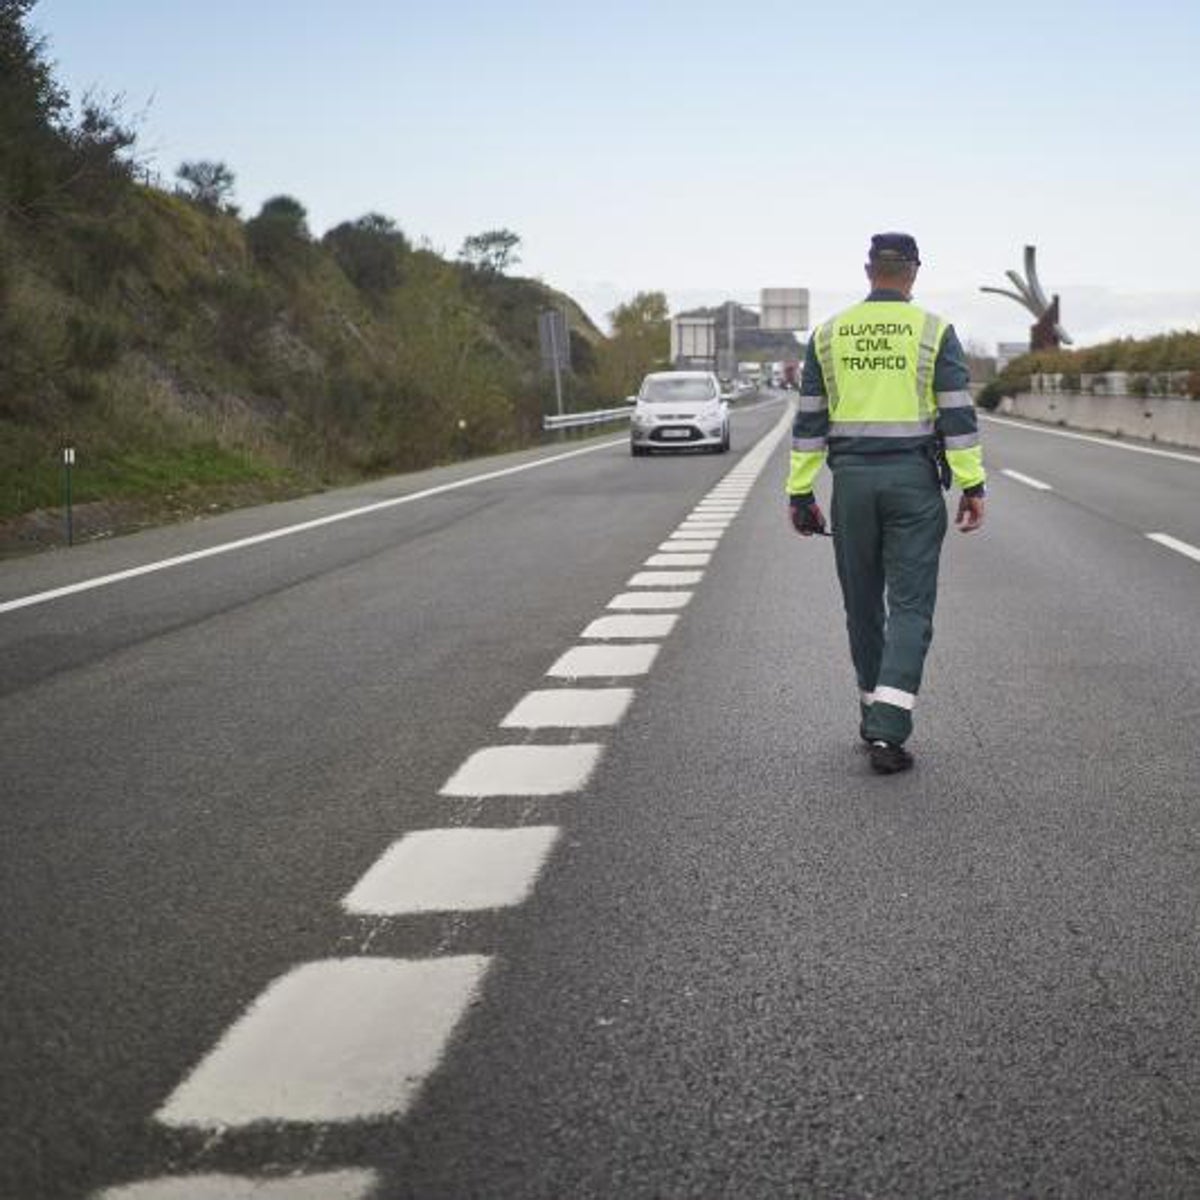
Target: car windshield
{"x":666,"y":391}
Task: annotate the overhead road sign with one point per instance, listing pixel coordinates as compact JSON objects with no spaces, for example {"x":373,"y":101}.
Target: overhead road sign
{"x":693,"y":340}
{"x":784,"y":308}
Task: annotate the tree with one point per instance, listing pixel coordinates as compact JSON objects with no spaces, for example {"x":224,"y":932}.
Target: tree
{"x":492,"y":251}
{"x":49,"y":162}
{"x":644,"y":316}
{"x":369,"y":251}
{"x":279,"y":235}
{"x":32,"y":107}
{"x":209,"y":184}
{"x":640,"y":342}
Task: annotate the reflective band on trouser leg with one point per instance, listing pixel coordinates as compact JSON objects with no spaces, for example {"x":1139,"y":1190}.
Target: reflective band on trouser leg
{"x":894,"y":696}
{"x":867,"y":697}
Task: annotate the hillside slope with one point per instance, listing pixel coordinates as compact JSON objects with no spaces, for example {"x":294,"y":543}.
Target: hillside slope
{"x":194,"y":362}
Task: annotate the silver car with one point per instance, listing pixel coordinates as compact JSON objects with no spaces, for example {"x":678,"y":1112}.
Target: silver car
{"x":679,"y":410}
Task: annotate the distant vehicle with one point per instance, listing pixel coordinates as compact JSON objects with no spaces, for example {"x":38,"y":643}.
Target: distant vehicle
{"x":676,"y":410}
{"x":791,"y":375}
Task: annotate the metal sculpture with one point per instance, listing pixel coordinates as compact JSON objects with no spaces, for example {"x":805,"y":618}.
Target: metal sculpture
{"x":1046,"y":333}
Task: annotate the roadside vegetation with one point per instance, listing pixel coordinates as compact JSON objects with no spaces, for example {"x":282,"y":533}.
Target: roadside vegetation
{"x":197,"y":357}
{"x":1149,"y":363}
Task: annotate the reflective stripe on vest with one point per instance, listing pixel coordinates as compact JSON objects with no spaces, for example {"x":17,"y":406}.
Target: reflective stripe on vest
{"x":878,"y":361}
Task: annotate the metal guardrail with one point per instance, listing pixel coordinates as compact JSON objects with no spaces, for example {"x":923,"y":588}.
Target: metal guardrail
{"x":601,"y":416}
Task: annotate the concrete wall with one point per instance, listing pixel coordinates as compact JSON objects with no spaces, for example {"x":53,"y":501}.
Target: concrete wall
{"x":1155,"y":419}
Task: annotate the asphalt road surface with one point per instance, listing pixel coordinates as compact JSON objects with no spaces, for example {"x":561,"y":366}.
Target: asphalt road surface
{"x":445,"y":847}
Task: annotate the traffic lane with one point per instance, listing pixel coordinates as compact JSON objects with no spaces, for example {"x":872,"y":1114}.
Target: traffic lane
{"x":1140,"y":491}
{"x":757,"y":969}
{"x":185,"y":814}
{"x":35,"y":643}
{"x":55,"y":568}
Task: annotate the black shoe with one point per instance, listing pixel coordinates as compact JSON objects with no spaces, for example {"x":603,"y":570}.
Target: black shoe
{"x":888,"y":759}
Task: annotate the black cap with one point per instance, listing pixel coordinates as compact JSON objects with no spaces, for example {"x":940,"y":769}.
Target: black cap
{"x":894,"y":247}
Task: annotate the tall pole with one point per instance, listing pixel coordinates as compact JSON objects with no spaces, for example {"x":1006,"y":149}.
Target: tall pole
{"x":557,"y":368}
{"x":729,"y":341}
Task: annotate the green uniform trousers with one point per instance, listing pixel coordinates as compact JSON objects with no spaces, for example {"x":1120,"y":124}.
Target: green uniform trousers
{"x":889,"y":520}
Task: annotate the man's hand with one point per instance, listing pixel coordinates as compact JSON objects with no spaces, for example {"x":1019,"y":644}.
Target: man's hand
{"x":807,"y":517}
{"x":970,"y":513}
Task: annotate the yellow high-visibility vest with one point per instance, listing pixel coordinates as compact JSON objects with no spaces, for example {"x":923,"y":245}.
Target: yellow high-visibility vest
{"x":877,"y":359}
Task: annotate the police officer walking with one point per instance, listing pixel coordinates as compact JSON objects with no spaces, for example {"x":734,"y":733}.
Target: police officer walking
{"x":885,"y":398}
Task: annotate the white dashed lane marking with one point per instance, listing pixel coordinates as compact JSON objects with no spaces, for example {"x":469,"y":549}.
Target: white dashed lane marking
{"x":355,"y":1038}
{"x":1173,"y":543}
{"x":524,"y":770}
{"x":569,"y":708}
{"x":335,"y":1040}
{"x":684,"y":546}
{"x":1027,"y":480}
{"x":604,"y":662}
{"x":644,"y":626}
{"x":665,"y":579}
{"x":454,"y":870}
{"x":331,"y":1185}
{"x":678,"y":560}
{"x":651,"y":600}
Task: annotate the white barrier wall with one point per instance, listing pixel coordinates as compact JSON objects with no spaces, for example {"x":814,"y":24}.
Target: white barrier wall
{"x":1155,"y":419}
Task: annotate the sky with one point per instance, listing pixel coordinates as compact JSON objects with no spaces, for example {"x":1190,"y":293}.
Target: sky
{"x":704,"y":149}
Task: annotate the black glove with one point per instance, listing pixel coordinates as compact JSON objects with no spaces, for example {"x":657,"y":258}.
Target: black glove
{"x":807,"y":517}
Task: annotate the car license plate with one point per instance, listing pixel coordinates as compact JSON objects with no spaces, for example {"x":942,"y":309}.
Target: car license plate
{"x":675,"y":433}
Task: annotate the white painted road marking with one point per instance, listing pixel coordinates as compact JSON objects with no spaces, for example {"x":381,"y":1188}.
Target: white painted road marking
{"x":454,"y":870}
{"x":288,"y":530}
{"x":695,"y":535}
{"x":1112,"y":444}
{"x":1173,"y":543}
{"x":665,"y":579}
{"x":569,"y":708}
{"x":642,"y":626}
{"x":687,"y":545}
{"x":602,"y":662}
{"x":678,"y":560}
{"x":524,"y":771}
{"x":330,"y":1185}
{"x":335,"y":1040}
{"x":1028,"y":480}
{"x":651,"y":600}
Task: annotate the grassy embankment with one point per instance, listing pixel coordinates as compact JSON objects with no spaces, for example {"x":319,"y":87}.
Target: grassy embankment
{"x":190,"y":365}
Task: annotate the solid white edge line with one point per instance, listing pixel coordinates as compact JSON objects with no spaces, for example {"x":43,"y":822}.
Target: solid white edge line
{"x":1028,"y":480}
{"x":1173,"y":543}
{"x":1112,"y":443}
{"x":288,"y":530}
